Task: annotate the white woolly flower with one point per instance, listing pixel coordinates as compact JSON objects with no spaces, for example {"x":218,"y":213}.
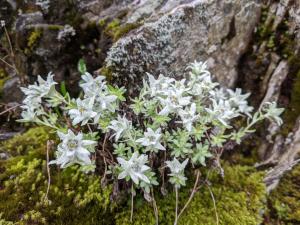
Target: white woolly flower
{"x":93,"y":86}
{"x":73,"y":149}
{"x":40,"y":89}
{"x":83,"y":111}
{"x":188,"y":116}
{"x":120,"y":126}
{"x":96,"y":88}
{"x":151,"y":139}
{"x":198,"y":68}
{"x":219,"y":93}
{"x":106,"y":102}
{"x":222,"y":110}
{"x":238,"y":100}
{"x":177,"y":172}
{"x":134,"y":168}
{"x":34,"y":94}
{"x":272,"y":112}
{"x":200,"y":81}
{"x":160,"y":85}
{"x":174,"y":101}
{"x":175,"y":166}
{"x":28,"y":113}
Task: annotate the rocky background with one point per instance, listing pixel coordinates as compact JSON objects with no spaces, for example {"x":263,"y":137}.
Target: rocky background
{"x":252,"y":44}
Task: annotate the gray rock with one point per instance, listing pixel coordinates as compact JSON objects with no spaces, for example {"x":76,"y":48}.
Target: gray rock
{"x":24,"y":21}
{"x":11,"y":91}
{"x":197,"y":30}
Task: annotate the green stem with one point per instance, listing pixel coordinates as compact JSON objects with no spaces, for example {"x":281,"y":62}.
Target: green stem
{"x":131,"y":214}
{"x":176,"y":206}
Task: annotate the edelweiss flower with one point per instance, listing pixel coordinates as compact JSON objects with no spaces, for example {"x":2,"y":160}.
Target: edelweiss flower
{"x":73,"y":149}
{"x":174,"y":101}
{"x":96,"y":88}
{"x":198,"y":68}
{"x":219,"y":93}
{"x":34,"y":94}
{"x":222,"y":111}
{"x":83,"y":112}
{"x":31,"y":111}
{"x":28,"y":114}
{"x":93,"y":86}
{"x":272,"y":112}
{"x":159,"y":86}
{"x":188,"y":116}
{"x":105,"y":102}
{"x":176,"y":167}
{"x":120,"y":126}
{"x":177,"y":172}
{"x":135,"y":168}
{"x":238,"y":100}
{"x":40,"y":89}
{"x":151,"y":139}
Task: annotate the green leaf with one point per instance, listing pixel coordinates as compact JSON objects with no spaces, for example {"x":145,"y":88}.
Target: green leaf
{"x":63,"y":89}
{"x":81,"y":66}
{"x":201,"y":153}
{"x":117,"y":92}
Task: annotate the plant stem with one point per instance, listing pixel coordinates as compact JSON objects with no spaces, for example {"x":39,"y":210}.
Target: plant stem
{"x":192,"y":194}
{"x":215,"y":207}
{"x":131,"y":214}
{"x":49,"y":146}
{"x":154,"y":207}
{"x":9,"y":42}
{"x":103,"y":155}
{"x":9,"y":109}
{"x":176,"y":207}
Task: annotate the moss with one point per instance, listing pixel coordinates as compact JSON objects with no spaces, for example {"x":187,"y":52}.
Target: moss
{"x":293,"y":110}
{"x":239,"y":199}
{"x":33,"y":38}
{"x":33,"y":141}
{"x":124,"y":29}
{"x":3,"y":78}
{"x":5,"y":222}
{"x":115,"y":30}
{"x":284,"y":201}
{"x":74,"y":197}
{"x":55,"y":27}
{"x":102,"y":22}
{"x":107,"y":72}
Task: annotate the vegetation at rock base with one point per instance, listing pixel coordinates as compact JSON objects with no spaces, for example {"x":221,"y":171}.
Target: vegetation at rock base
{"x":73,"y":195}
{"x":284,"y":201}
{"x":109,"y":39}
{"x":240,"y":199}
{"x":239,"y":196}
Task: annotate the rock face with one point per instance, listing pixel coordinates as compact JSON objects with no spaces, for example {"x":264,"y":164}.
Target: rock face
{"x":216,"y":31}
{"x":247,"y":43}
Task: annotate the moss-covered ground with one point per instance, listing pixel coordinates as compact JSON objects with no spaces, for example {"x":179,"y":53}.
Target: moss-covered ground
{"x":78,"y":198}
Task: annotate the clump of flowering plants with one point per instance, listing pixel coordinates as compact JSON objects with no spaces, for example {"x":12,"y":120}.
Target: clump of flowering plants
{"x":171,"y":126}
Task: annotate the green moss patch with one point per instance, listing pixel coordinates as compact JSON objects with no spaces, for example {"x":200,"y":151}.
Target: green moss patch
{"x":115,"y":30}
{"x":74,"y":197}
{"x":284,"y":201}
{"x":239,"y":199}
